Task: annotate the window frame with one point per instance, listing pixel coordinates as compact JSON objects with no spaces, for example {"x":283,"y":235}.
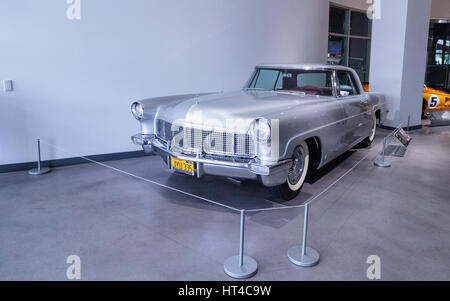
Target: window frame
{"x":347,"y":36}
{"x":353,"y":81}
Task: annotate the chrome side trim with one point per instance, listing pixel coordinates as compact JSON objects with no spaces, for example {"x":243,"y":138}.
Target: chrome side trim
{"x":330,"y":124}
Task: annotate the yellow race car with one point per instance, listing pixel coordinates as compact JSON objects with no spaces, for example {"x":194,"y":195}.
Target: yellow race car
{"x":433,"y":100}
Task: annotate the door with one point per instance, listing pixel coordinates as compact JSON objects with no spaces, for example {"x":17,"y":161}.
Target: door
{"x":354,"y":106}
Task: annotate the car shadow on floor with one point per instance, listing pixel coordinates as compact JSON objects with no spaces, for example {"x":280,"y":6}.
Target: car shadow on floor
{"x":248,"y":195}
{"x":313,"y":177}
{"x":318,"y":174}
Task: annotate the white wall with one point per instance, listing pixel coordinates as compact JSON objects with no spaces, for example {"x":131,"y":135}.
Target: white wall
{"x":440,"y":9}
{"x":356,"y":4}
{"x":74,"y":80}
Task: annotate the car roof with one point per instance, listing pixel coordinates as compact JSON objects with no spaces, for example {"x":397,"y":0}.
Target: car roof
{"x":304,"y":67}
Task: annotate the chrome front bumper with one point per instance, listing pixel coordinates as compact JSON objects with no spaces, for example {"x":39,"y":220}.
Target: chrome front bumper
{"x":269,"y":176}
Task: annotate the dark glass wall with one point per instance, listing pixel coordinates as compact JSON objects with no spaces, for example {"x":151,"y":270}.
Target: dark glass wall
{"x":438,"y":63}
{"x":349,"y":40}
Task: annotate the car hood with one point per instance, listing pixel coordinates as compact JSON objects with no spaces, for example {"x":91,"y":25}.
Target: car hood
{"x":232,"y":109}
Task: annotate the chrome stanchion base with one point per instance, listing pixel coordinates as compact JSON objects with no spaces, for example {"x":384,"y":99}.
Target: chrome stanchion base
{"x":311,"y":257}
{"x":37,"y":171}
{"x":234,"y":270}
{"x":382,"y":164}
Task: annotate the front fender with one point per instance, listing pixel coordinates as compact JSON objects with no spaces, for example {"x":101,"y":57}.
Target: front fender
{"x":321,"y":120}
{"x":152,"y":107}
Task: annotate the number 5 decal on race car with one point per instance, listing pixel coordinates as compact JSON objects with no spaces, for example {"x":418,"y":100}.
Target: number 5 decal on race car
{"x":433,"y":102}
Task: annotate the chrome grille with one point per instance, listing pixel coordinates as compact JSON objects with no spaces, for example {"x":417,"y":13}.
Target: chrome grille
{"x":191,"y":139}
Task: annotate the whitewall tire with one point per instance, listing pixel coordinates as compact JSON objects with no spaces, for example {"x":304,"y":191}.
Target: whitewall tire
{"x":368,"y":141}
{"x":297,"y":173}
{"x":374,"y":128}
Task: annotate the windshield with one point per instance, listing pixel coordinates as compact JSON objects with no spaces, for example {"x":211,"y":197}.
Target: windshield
{"x":309,"y":82}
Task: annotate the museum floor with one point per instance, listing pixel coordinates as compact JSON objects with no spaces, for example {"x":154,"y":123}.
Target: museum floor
{"x":124,"y":228}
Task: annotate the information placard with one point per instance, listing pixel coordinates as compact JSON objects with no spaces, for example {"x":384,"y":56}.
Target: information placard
{"x":403,"y":137}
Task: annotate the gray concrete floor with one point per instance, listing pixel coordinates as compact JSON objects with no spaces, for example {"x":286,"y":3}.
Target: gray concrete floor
{"x":127,"y":229}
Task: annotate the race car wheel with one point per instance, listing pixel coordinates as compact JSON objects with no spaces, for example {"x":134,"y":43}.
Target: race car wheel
{"x":424,"y":107}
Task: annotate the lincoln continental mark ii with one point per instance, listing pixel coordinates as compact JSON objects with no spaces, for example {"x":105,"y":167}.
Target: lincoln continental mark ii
{"x":287,"y":121}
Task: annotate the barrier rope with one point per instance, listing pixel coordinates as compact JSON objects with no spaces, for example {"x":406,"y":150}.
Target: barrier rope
{"x":282,"y":207}
{"x":145,"y":179}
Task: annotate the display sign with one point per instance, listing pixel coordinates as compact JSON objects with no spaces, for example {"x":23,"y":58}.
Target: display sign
{"x":403,"y":137}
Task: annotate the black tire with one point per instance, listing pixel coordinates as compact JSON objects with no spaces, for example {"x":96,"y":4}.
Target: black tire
{"x":297,"y":176}
{"x":368,"y":141}
{"x":424,"y":107}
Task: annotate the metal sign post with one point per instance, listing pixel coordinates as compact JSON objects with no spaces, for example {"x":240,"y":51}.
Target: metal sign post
{"x":382,"y":163}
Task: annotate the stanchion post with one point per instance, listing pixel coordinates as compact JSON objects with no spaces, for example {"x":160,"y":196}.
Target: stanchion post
{"x":240,"y":266}
{"x":382,"y":163}
{"x":302,"y":255}
{"x":305,"y":229}
{"x":241,"y":239}
{"x":39,"y":170}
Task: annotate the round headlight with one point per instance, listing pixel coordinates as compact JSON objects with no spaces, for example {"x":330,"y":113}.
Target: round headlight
{"x":260,"y":129}
{"x":138,"y":110}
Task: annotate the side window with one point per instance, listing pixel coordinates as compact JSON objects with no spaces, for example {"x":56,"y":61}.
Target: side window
{"x":315,"y":83}
{"x":346,"y":84}
{"x":319,"y":79}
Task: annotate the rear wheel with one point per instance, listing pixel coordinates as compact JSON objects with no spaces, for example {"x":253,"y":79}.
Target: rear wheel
{"x":297,"y":173}
{"x":368,"y":141}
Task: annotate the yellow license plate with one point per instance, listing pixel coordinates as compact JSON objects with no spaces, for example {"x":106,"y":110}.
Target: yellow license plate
{"x":182,"y":165}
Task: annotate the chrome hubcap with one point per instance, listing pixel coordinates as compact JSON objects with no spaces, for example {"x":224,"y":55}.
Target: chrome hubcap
{"x":296,"y":171}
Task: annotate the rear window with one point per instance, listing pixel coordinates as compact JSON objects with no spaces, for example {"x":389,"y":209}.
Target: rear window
{"x":347,"y":84}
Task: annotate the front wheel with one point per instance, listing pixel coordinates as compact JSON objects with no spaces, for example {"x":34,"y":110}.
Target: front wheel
{"x":297,"y":173}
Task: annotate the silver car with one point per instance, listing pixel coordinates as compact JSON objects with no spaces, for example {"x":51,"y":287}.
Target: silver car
{"x":287,"y":120}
